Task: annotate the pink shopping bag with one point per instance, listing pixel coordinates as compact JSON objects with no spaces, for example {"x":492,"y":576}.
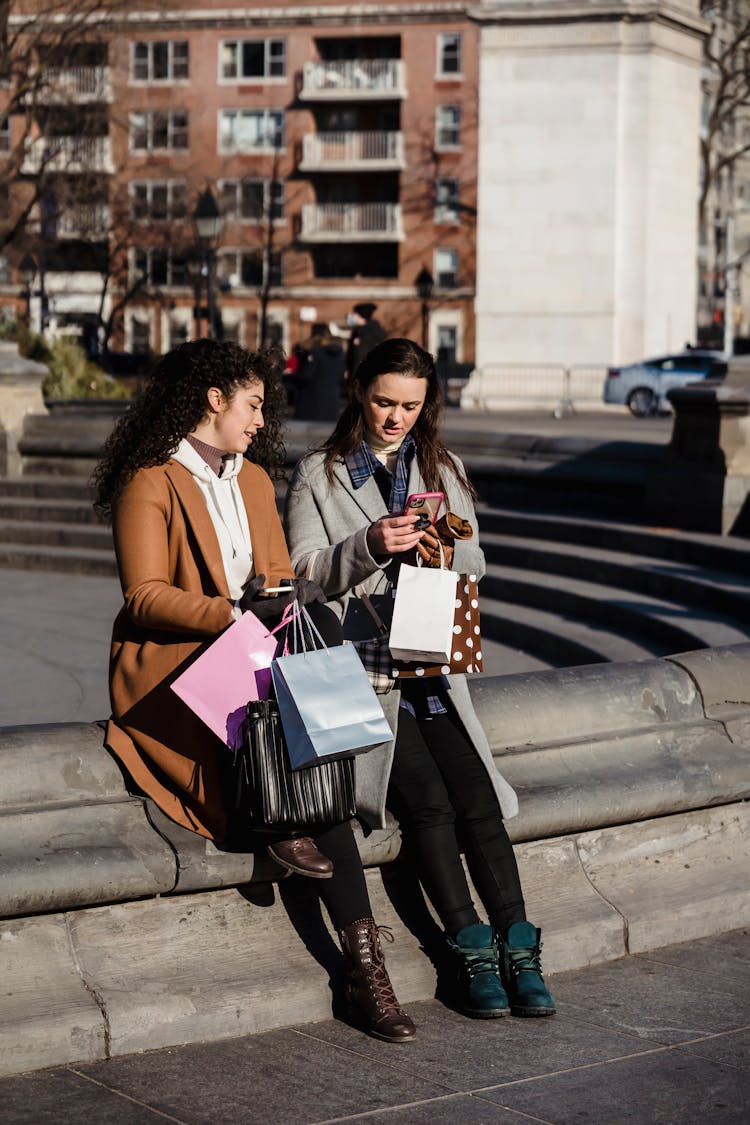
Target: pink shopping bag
{"x":233,"y":670}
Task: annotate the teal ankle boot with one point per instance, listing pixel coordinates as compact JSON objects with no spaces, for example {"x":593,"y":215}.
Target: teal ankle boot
{"x":481,"y":990}
{"x":521,"y":968}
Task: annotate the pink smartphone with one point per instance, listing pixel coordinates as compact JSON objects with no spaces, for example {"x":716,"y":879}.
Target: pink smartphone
{"x":424,"y":503}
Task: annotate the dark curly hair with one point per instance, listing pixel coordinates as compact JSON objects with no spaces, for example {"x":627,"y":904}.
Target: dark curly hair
{"x":174,"y":402}
{"x":398,"y":357}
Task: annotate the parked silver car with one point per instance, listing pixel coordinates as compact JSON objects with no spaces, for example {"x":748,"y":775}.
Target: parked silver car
{"x":643,"y":386}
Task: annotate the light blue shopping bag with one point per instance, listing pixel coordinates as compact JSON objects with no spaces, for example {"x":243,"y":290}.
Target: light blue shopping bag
{"x":327,"y":705}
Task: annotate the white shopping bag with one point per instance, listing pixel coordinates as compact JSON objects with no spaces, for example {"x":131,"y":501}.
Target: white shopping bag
{"x":423,"y":611}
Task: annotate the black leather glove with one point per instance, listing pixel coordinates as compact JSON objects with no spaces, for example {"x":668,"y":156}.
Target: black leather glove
{"x":254,"y":586}
{"x":269,"y":608}
{"x":307,"y":591}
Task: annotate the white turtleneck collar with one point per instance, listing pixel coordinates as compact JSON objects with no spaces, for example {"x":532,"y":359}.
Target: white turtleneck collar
{"x":386,"y":452}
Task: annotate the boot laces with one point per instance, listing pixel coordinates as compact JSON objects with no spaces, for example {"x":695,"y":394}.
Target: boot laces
{"x":526,"y":960}
{"x":479,"y":961}
{"x":378,"y":981}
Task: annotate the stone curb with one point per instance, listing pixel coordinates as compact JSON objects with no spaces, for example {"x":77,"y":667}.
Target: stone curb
{"x":136,"y":976}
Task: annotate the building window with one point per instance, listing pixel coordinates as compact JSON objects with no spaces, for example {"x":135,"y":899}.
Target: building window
{"x":161,"y":267}
{"x":447,"y":343}
{"x":140,"y":335}
{"x":158,"y":130}
{"x":161,"y":61}
{"x":448,"y":126}
{"x":446,"y":268}
{"x":252,"y":269}
{"x":179,"y":332}
{"x":252,"y":201}
{"x":251,"y":130}
{"x":446,"y":201}
{"x":449,"y":54}
{"x":158,"y":200}
{"x":253,"y":58}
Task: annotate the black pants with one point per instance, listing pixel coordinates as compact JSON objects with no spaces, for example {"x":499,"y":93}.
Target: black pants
{"x":345,"y":895}
{"x":442,"y":796}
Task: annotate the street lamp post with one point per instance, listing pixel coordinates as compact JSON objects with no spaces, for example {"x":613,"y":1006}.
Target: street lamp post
{"x":27,"y":272}
{"x":208,"y":223}
{"x":425,"y":283}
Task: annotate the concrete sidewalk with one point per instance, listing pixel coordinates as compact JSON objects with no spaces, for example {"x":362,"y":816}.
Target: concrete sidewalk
{"x":662,"y":1037}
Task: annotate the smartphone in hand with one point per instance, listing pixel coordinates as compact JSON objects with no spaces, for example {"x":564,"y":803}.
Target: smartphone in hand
{"x":426,"y":505}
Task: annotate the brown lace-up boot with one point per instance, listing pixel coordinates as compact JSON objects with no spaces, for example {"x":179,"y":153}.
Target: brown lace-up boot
{"x":369,"y":992}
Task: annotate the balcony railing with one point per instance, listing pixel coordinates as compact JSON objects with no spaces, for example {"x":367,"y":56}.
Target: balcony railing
{"x":337,"y":152}
{"x":352,"y":222}
{"x":76,"y":84}
{"x":68,"y":154}
{"x":357,"y":78}
{"x":83,"y":219}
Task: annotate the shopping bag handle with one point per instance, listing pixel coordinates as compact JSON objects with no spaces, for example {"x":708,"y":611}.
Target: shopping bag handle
{"x":292,"y":608}
{"x":301,"y":619}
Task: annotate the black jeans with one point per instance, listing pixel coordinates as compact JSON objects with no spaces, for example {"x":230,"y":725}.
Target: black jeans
{"x":442,"y":796}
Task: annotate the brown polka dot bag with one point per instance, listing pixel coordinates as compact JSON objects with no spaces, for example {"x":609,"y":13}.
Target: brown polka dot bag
{"x":466,"y":654}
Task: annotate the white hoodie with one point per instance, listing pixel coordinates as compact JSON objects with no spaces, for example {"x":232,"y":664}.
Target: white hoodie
{"x":227,"y":510}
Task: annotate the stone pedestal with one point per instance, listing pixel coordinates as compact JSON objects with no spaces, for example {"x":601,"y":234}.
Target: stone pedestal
{"x":704,"y":480}
{"x":588,"y":160}
{"x":20,"y":394}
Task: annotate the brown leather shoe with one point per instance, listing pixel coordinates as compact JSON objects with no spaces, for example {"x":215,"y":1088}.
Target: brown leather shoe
{"x":302,"y":857}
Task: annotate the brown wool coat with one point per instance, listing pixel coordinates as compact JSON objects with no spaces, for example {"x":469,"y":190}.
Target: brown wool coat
{"x":176,"y":601}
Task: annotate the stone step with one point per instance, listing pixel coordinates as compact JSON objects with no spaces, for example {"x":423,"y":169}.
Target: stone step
{"x":40,"y":509}
{"x":720,"y":591}
{"x":55,"y":534}
{"x":710,"y":552}
{"x":666,"y":625}
{"x":554,"y":639}
{"x":78,"y":560}
{"x":48,"y":487}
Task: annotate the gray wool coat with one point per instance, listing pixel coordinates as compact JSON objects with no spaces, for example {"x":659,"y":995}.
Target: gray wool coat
{"x":326,"y":528}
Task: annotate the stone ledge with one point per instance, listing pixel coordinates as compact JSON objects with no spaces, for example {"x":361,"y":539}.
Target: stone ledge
{"x":586,"y":748}
{"x":167,"y":971}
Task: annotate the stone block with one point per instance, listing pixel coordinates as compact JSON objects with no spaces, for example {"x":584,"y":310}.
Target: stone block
{"x":722,"y":676}
{"x":48,"y":1017}
{"x":579,"y":927}
{"x":629,"y":776}
{"x":54,"y":859}
{"x":674,"y":878}
{"x":571,"y":704}
{"x":56,"y":764}
{"x":212,"y":966}
{"x":20,"y":396}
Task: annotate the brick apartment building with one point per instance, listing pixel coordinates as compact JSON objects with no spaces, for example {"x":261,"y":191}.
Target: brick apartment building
{"x":339,"y":143}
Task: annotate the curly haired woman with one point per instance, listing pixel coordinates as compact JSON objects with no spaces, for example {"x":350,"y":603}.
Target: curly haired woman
{"x":197,"y":536}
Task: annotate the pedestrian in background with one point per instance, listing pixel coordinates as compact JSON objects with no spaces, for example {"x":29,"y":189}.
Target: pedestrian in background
{"x":319,"y":380}
{"x":367,"y":332}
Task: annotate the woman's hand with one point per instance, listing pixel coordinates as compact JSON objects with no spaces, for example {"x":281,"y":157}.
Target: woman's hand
{"x":392,"y":535}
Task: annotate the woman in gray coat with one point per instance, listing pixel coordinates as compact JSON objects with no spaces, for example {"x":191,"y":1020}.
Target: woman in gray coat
{"x":346,"y":530}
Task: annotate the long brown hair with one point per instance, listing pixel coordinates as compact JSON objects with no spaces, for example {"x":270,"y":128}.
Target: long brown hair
{"x":398,"y":357}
